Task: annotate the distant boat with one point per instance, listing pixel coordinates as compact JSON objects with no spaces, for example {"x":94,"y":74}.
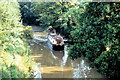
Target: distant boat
{"x":56,"y":41}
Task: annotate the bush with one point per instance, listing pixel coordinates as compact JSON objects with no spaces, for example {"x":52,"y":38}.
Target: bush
{"x":15,"y":60}
{"x":97,"y":33}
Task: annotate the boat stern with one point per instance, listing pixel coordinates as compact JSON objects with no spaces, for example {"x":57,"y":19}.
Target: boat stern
{"x":58,"y":47}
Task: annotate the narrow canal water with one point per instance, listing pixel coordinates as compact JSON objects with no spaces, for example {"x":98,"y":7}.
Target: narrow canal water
{"x":57,"y":64}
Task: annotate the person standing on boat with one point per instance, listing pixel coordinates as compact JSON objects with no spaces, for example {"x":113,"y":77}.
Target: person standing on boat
{"x":54,"y":31}
{"x":52,"y":34}
{"x":51,"y":30}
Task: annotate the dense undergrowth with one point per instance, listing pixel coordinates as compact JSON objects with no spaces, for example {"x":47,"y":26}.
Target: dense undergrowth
{"x":98,"y":35}
{"x":15,"y":59}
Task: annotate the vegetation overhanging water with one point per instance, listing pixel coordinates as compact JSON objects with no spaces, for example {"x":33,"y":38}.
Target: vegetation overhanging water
{"x":93,"y":26}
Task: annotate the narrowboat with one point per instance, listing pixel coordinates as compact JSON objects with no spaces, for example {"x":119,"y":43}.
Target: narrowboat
{"x":56,"y":41}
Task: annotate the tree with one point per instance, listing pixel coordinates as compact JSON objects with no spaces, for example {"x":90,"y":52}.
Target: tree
{"x":98,"y":37}
{"x":13,"y":47}
{"x":49,"y":12}
{"x":29,"y":15}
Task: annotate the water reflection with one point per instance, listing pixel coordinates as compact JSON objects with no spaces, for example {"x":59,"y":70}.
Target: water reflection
{"x":57,"y":64}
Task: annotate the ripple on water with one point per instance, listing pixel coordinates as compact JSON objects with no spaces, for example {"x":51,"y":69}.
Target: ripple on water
{"x":56,"y":64}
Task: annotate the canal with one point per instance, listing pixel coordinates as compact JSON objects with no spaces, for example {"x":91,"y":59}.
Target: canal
{"x":57,"y":64}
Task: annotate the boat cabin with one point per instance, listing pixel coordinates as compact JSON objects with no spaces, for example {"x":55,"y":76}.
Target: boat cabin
{"x":56,"y":40}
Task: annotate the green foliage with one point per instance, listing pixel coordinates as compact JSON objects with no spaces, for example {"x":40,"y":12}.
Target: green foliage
{"x":27,"y":32}
{"x":43,"y":13}
{"x":95,"y":26}
{"x":108,"y":62}
{"x":69,"y":20}
{"x":98,"y":35}
{"x":13,"y":46}
{"x":74,"y":51}
{"x":28,"y":12}
{"x":48,"y":13}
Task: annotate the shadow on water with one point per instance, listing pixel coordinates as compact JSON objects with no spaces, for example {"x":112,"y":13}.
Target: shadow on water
{"x":57,"y":64}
